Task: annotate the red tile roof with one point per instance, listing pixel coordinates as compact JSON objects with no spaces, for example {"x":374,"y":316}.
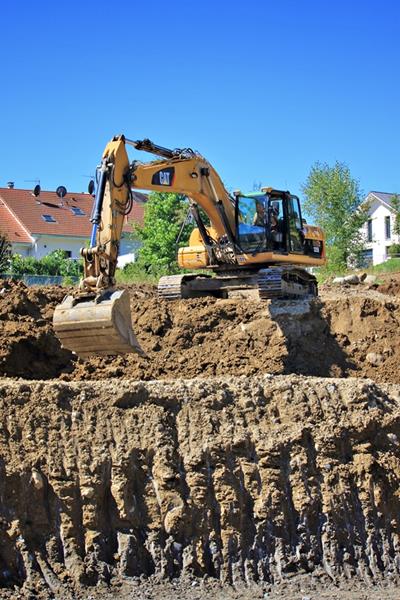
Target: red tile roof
{"x":11,"y":227}
{"x":25,"y":214}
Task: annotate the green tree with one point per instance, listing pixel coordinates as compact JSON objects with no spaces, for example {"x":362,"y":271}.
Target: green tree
{"x":333,"y":200}
{"x":164,"y":221}
{"x":5,"y":253}
{"x":55,"y":263}
{"x":395,"y":203}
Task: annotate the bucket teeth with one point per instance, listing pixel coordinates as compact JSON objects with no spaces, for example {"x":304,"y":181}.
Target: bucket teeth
{"x":89,"y":327}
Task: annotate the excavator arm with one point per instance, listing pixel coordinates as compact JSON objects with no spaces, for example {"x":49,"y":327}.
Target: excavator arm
{"x":179,"y":171}
{"x":96,"y":319}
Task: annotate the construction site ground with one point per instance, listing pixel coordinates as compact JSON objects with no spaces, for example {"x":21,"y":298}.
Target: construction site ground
{"x":253,"y":452}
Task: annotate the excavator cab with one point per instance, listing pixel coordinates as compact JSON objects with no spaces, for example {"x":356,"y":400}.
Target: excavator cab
{"x":260,"y":223}
{"x":269,"y":221}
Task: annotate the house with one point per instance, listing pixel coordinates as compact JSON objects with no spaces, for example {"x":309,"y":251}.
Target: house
{"x":378,"y":230}
{"x":38,"y":224}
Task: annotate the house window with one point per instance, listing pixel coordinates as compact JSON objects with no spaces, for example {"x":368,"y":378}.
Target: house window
{"x":78,"y":212}
{"x":387,"y":228}
{"x":369,"y":230}
{"x":49,"y":219}
{"x":366,"y":258}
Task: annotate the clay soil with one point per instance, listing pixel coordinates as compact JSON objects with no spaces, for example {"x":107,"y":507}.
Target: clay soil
{"x":252,"y":453}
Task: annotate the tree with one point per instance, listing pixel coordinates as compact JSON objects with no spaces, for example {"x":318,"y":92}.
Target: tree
{"x":55,"y":263}
{"x":164,"y":220}
{"x":333,"y":200}
{"x":395,"y":203}
{"x":5,"y":253}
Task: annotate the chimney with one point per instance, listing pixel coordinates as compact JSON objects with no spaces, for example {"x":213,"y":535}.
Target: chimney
{"x":10,"y":185}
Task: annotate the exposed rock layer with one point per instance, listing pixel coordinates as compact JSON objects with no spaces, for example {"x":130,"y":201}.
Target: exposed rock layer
{"x":242,"y":479}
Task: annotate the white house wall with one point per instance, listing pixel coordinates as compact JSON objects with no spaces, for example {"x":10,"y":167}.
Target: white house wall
{"x":128,"y":251}
{"x":377,"y":212}
{"x":46,"y":244}
{"x":22,"y":249}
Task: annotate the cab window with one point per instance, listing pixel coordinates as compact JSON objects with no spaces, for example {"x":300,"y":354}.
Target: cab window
{"x":295,"y":225}
{"x":251,"y":222}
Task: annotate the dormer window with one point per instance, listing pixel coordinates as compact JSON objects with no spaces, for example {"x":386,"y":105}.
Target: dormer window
{"x":49,"y":219}
{"x":78,"y":212}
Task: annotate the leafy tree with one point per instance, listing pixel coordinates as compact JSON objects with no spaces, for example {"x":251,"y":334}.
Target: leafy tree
{"x":394,"y":251}
{"x":5,"y":253}
{"x":333,"y":200}
{"x":55,"y":263}
{"x":395,"y":203}
{"x":164,"y":221}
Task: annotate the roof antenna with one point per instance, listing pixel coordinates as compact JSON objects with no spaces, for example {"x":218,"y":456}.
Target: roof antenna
{"x":91,"y":184}
{"x":61,"y":191}
{"x":37,"y":189}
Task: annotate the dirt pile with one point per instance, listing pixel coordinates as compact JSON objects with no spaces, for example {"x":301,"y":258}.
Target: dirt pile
{"x":340,"y":334}
{"x":28,"y":346}
{"x":220,"y":478}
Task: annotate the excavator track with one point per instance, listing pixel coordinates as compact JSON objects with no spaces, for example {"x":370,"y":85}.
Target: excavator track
{"x":274,"y":282}
{"x":176,"y":287}
{"x":269,"y":283}
{"x":170,"y":287}
{"x":285,"y":282}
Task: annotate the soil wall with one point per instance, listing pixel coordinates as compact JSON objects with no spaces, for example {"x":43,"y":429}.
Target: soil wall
{"x":242,"y":479}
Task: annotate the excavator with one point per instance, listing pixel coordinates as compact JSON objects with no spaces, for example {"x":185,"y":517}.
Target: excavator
{"x":255,"y":242}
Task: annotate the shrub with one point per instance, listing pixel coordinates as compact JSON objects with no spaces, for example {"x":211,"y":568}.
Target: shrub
{"x":394,"y":251}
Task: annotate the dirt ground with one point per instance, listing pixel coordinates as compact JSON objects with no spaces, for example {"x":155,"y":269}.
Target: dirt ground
{"x":246,"y":456}
{"x":346,"y":332}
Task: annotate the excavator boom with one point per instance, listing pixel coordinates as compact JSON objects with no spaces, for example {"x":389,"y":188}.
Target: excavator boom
{"x":97,"y":318}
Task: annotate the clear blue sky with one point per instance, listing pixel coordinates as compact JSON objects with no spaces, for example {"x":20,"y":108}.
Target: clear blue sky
{"x":263,"y":89}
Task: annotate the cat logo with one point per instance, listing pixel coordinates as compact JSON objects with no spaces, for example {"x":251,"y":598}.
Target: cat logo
{"x":164,"y":177}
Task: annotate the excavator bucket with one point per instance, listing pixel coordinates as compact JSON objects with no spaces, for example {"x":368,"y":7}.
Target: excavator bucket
{"x":102,"y":327}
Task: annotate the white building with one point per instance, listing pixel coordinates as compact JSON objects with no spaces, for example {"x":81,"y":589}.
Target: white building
{"x":378,"y":230}
{"x":37,"y":225}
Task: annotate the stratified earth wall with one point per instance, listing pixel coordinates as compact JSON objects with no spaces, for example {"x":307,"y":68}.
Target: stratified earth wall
{"x":247,"y":479}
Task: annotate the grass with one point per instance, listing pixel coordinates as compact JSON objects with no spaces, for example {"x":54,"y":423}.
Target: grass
{"x":135,"y":276}
{"x":133,"y":273}
{"x":390,"y":266}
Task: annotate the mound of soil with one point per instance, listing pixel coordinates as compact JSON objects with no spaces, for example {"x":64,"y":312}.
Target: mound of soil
{"x":337,"y":335}
{"x":28,"y":346}
{"x":390,"y":286}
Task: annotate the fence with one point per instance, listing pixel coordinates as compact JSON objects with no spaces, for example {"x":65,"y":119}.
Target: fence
{"x":40,"y":279}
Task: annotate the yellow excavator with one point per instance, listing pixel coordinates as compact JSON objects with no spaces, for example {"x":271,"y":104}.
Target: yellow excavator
{"x":257,"y":242}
